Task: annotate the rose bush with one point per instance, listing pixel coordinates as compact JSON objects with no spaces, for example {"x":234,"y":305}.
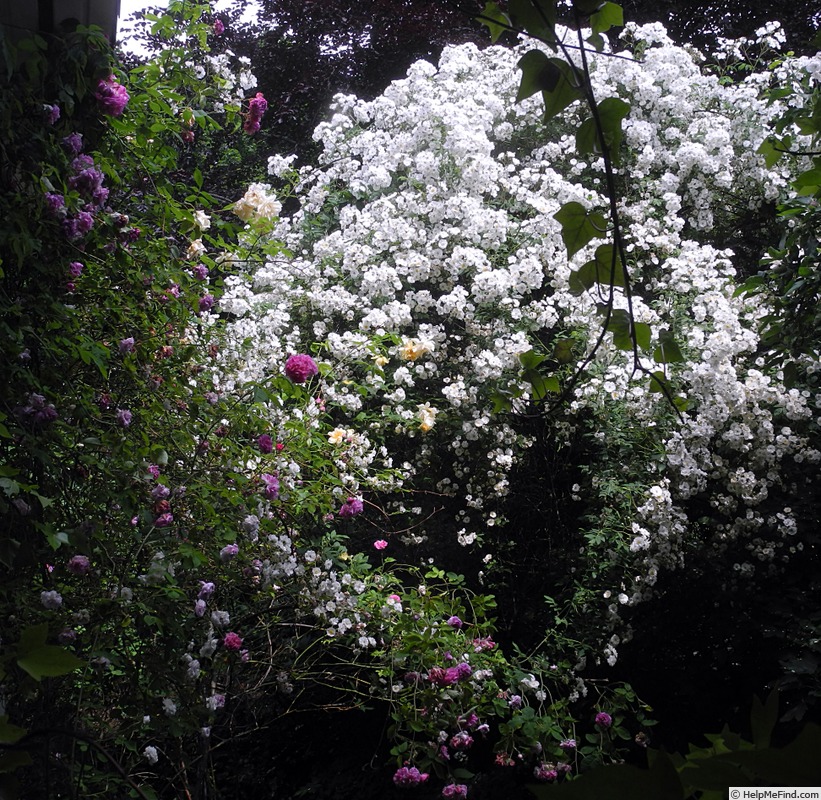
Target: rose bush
{"x":224,"y":426}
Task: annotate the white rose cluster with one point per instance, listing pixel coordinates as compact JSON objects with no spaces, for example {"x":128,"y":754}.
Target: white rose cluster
{"x":425,"y":256}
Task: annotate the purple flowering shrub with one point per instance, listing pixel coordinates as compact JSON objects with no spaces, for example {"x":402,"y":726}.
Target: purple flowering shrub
{"x":161,"y":537}
{"x":453,"y":691}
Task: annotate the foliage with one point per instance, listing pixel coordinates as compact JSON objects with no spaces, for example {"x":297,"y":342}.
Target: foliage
{"x":706,"y":772}
{"x":248,"y":453}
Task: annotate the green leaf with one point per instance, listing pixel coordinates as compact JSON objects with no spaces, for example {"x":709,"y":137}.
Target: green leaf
{"x":619,"y":782}
{"x":643,"y":334}
{"x":495,"y":21}
{"x":583,"y":278}
{"x":619,"y":326}
{"x":668,"y":351}
{"x":567,"y":90}
{"x":611,"y":112}
{"x":14,"y":760}
{"x":586,"y":7}
{"x":57,"y":540}
{"x":32,"y":636}
{"x":563,"y":351}
{"x":542,"y":384}
{"x":9,"y":734}
{"x":531,"y":359}
{"x":48,"y":661}
{"x":579,"y":226}
{"x":658,"y":382}
{"x":769,"y":151}
{"x":763,"y":718}
{"x":811,"y":179}
{"x":539,"y":74}
{"x":608,"y":16}
{"x":601,"y":269}
{"x":536,"y":18}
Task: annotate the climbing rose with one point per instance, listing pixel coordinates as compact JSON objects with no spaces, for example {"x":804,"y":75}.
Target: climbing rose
{"x":219,"y":27}
{"x":73,"y":143}
{"x":79,"y":565}
{"x":257,"y":106}
{"x":545,"y":772}
{"x":265,"y":443}
{"x":228,"y":552}
{"x":351,"y":507}
{"x":271,"y":486}
{"x":603,"y":719}
{"x":206,"y":590}
{"x":300,"y":367}
{"x":111,"y":96}
{"x":409,"y":776}
{"x":51,"y":600}
{"x":380,"y":544}
{"x":232,"y":641}
{"x":455,"y":622}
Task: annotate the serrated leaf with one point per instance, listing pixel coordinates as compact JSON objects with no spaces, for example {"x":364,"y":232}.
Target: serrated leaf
{"x":494,"y":20}
{"x":578,"y":226}
{"x":610,"y":15}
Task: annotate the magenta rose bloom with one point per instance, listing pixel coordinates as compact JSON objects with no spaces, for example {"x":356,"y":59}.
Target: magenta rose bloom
{"x":265,"y":443}
{"x":603,"y":719}
{"x":351,"y":507}
{"x":111,"y":96}
{"x":300,"y":367}
{"x":271,"y":486}
{"x":79,"y":565}
{"x":409,"y":776}
{"x":232,"y":641}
